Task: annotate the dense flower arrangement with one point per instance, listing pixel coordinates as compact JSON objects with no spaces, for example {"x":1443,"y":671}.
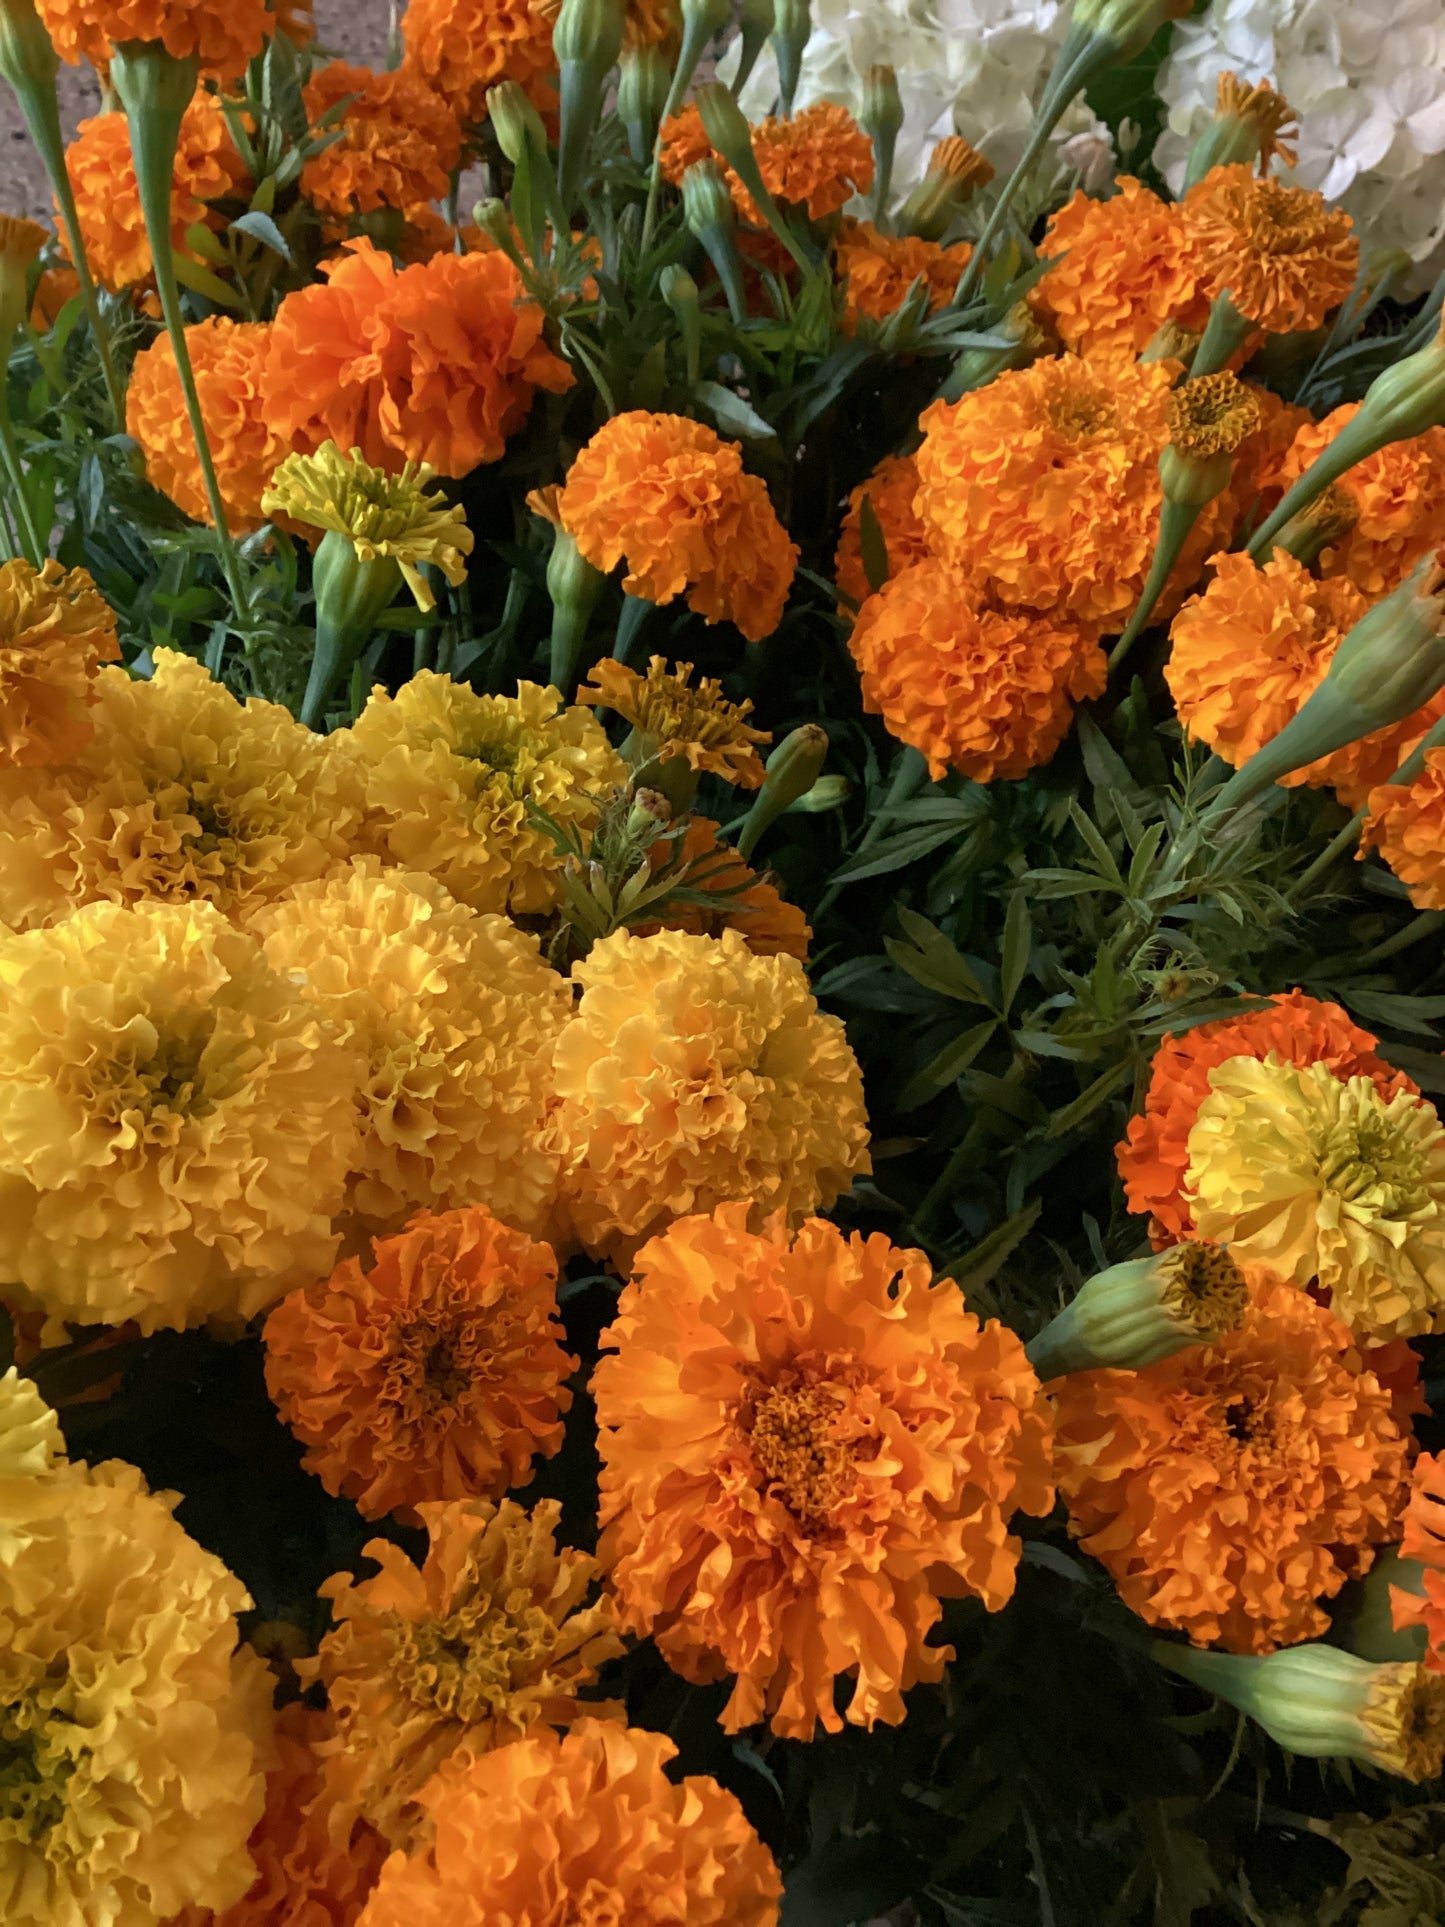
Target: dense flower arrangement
{"x":722,"y":1188}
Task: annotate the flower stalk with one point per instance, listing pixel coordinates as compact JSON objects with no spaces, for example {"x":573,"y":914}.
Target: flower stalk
{"x":1138,"y":1313}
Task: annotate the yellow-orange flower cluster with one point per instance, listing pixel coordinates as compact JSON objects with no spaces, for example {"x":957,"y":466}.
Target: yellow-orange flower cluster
{"x":804,"y":1442}
{"x":817,"y":159}
{"x":878,"y":271}
{"x":1231,"y":1488}
{"x":590,"y":1821}
{"x":55,"y":631}
{"x":435,"y":1374}
{"x":1397,"y":495}
{"x":399,"y":142}
{"x":227,"y":357}
{"x":434,"y":363}
{"x":222,"y":34}
{"x":890,"y":491}
{"x":1286,"y":259}
{"x":1120,"y":269}
{"x":463,"y":47}
{"x":987,"y":693}
{"x":672,"y":719}
{"x":672,"y":499}
{"x":1407,"y":826}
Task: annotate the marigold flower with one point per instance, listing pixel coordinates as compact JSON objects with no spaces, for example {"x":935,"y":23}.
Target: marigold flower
{"x":1398,"y":495}
{"x":977,"y":690}
{"x":1212,"y":416}
{"x":1285,"y":257}
{"x":742,"y":900}
{"x":1119,"y":270}
{"x":1259,"y":478}
{"x":817,"y":160}
{"x":1423,"y":1539}
{"x":487,"y":1642}
{"x":434,"y":363}
{"x":1327,"y":1182}
{"x":878,"y":271}
{"x":589,"y":1819}
{"x":455,"y":1015}
{"x":1229,"y":1489}
{"x":20,"y":244}
{"x":136,"y":1730}
{"x":55,"y":287}
{"x":1295,"y":1029}
{"x":694,"y":1072}
{"x":228,"y":358}
{"x":449,"y":776}
{"x":891,"y":490}
{"x":652,"y":23}
{"x":399,"y":142}
{"x":436,"y":1374}
{"x":175,"y":1124}
{"x":670,"y":718}
{"x":222,"y":34}
{"x":1407,"y":825}
{"x":463,"y":47}
{"x":671,"y":498}
{"x":804,"y":1443}
{"x":30,"y":1440}
{"x":107,"y":196}
{"x":1266,"y":113}
{"x":296,"y":19}
{"x":55,"y":631}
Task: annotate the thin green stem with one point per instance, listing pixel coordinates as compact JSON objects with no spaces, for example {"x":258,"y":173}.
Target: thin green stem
{"x":34,"y":546}
{"x":1176,"y":519}
{"x":1339,"y":846}
{"x":1427,"y":924}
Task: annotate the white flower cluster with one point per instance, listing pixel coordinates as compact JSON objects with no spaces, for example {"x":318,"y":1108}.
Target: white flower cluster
{"x":970,"y":67}
{"x":1367,"y":79}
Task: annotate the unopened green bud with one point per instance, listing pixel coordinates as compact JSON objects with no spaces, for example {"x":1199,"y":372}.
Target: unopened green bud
{"x":758,"y":20}
{"x":828,"y":793}
{"x":649,"y":813}
{"x":1126,"y":25}
{"x":679,"y":291}
{"x":641,"y":97}
{"x":574,"y":586}
{"x":27,"y":55}
{"x":1134,"y":1314}
{"x":495,"y":221}
{"x":727,"y":130}
{"x":590,"y":31}
{"x":587,"y":41}
{"x":708,"y":209}
{"x":1319,"y":525}
{"x":519,"y":129}
{"x":792,"y":770}
{"x":1249,"y":121}
{"x":792,"y":29}
{"x":955,"y":173}
{"x":882,"y":121}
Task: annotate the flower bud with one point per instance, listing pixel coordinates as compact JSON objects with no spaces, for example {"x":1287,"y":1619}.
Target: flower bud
{"x":641,"y":97}
{"x":1208,"y":420}
{"x":650,"y":812}
{"x":519,"y":129}
{"x":587,"y":41}
{"x":1248,"y":125}
{"x":1134,"y":1314}
{"x":20,"y":245}
{"x":1172,"y":342}
{"x":679,"y":291}
{"x":792,"y":770}
{"x":1319,"y":525}
{"x":708,"y":209}
{"x":828,"y":793}
{"x":792,"y":28}
{"x":758,"y":20}
{"x":1127,"y":26}
{"x":882,"y":121}
{"x":495,"y":221}
{"x":574,"y":586}
{"x":27,"y":56}
{"x":955,"y":172}
{"x":590,"y":32}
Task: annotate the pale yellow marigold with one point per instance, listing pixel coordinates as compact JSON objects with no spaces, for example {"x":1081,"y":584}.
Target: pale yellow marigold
{"x":227,"y":357}
{"x":175,"y":1123}
{"x":488,"y":1641}
{"x":455,"y":1015}
{"x":136,"y":1732}
{"x":1325,"y":1181}
{"x":30,"y":1441}
{"x":55,"y":631}
{"x":671,"y":719}
{"x":449,"y":775}
{"x":695,"y":1072}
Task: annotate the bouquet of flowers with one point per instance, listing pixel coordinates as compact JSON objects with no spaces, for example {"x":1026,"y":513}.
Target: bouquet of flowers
{"x":722,"y":856}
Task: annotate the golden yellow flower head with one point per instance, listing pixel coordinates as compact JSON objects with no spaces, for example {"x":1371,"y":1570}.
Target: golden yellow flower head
{"x":20,"y":245}
{"x":382,"y":516}
{"x":1266,"y":113}
{"x":30,"y":1441}
{"x":673,"y":719}
{"x":452,"y":776}
{"x":1211,"y":416}
{"x":176,"y":1124}
{"x":1325,"y":1179}
{"x":55,"y":631}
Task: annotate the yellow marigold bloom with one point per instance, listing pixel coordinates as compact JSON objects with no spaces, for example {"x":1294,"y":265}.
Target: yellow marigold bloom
{"x":1407,"y":826}
{"x":671,"y":718}
{"x":891,"y":489}
{"x":694,"y":1072}
{"x":399,"y":142}
{"x":175,"y":1124}
{"x":1326,"y":1181}
{"x":437,"y":1374}
{"x":1229,"y":1489}
{"x":107,"y":196}
{"x":589,"y":1820}
{"x":228,"y":357}
{"x":1397,"y":496}
{"x":30,"y":1440}
{"x":449,"y":776}
{"x":1119,"y":270}
{"x":455,"y":1015}
{"x":55,"y":631}
{"x":817,"y":160}
{"x":805,"y":1443}
{"x":671,"y":497}
{"x":222,"y":34}
{"x":136,"y":1731}
{"x":976,"y":690}
{"x":487,"y":1642}
{"x":878,"y":271}
{"x":463,"y":47}
{"x":1286,"y":258}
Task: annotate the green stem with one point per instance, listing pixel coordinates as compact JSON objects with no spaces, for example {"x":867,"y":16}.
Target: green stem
{"x":1339,"y":846}
{"x":1425,"y":925}
{"x":696,"y":34}
{"x":35,"y":548}
{"x":1226,"y":332}
{"x":909,"y":776}
{"x":1176,"y":519}
{"x":635,"y":611}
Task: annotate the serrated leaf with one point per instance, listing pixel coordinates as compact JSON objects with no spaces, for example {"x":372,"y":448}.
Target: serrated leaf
{"x":1017,"y":936}
{"x":950,"y":1063}
{"x":262,"y":228}
{"x":732,"y":414}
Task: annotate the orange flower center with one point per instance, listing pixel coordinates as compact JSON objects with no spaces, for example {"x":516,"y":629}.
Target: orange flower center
{"x":1077,"y":414}
{"x":433,"y":1363}
{"x":803,"y":1463}
{"x":1422,"y":1726}
{"x":1283,"y":220}
{"x":468,"y":1663}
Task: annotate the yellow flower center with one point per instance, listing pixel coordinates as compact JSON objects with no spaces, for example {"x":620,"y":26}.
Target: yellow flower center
{"x":34,"y":1776}
{"x":1205,"y":1288}
{"x":1076,"y":414}
{"x":793,"y":1445}
{"x":1212,"y":416}
{"x":467,"y":1664}
{"x":1368,"y":1162}
{"x":1405,"y":1718}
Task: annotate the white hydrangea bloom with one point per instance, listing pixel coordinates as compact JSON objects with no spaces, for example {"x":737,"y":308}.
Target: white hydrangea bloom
{"x":970,"y":67}
{"x":1367,"y":78}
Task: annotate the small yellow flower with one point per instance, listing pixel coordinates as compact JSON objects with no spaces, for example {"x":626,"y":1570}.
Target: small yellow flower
{"x":673,"y":719}
{"x":383,"y":516}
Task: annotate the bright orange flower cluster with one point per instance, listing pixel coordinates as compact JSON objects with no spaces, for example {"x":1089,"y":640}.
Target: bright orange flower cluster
{"x":55,"y":632}
{"x":1120,"y":270}
{"x":672,"y":499}
{"x":804,"y":1443}
{"x":879,"y":270}
{"x":400,"y":141}
{"x":817,"y":159}
{"x":1285,"y":257}
{"x":222,"y":34}
{"x":228,"y":358}
{"x":435,"y":363}
{"x":1398,"y":498}
{"x":1230,"y":1488}
{"x":1295,"y":1029}
{"x":891,"y":491}
{"x":1423,"y":1539}
{"x":463,"y":47}
{"x":742,"y":900}
{"x":1407,"y":826}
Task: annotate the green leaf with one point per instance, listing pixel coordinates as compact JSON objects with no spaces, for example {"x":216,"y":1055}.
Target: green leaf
{"x":262,"y":228}
{"x":935,"y":960}
{"x":976,"y":1267}
{"x":1098,"y":848}
{"x":894,"y":852}
{"x":1088,"y":1101}
{"x":1017,"y":936}
{"x":875,"y":546}
{"x":951,"y":1062}
{"x":732,"y":414}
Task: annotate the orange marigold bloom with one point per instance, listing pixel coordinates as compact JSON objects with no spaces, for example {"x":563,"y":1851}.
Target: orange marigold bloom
{"x":652,"y":23}
{"x":434,"y":363}
{"x":1259,"y":476}
{"x":486,"y":1642}
{"x":1398,"y":495}
{"x":222,"y":34}
{"x":817,"y":160}
{"x":228,"y":358}
{"x":1286,"y":258}
{"x":805,"y":1442}
{"x":671,"y":719}
{"x":1424,"y":1539}
{"x":582,"y":1826}
{"x":399,"y":142}
{"x":1128,"y":265}
{"x":1248,"y":652}
{"x":745,"y":901}
{"x":891,"y":489}
{"x":670,"y":497}
{"x":296,"y":19}
{"x":1296,"y":1029}
{"x":1266,"y":112}
{"x":107,"y":196}
{"x":56,"y":630}
{"x":878,"y":271}
{"x":436,"y":1374}
{"x":1407,"y":825}
{"x":976,"y":690}
{"x":1229,"y":1489}
{"x":463,"y":47}
{"x":55,"y":287}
